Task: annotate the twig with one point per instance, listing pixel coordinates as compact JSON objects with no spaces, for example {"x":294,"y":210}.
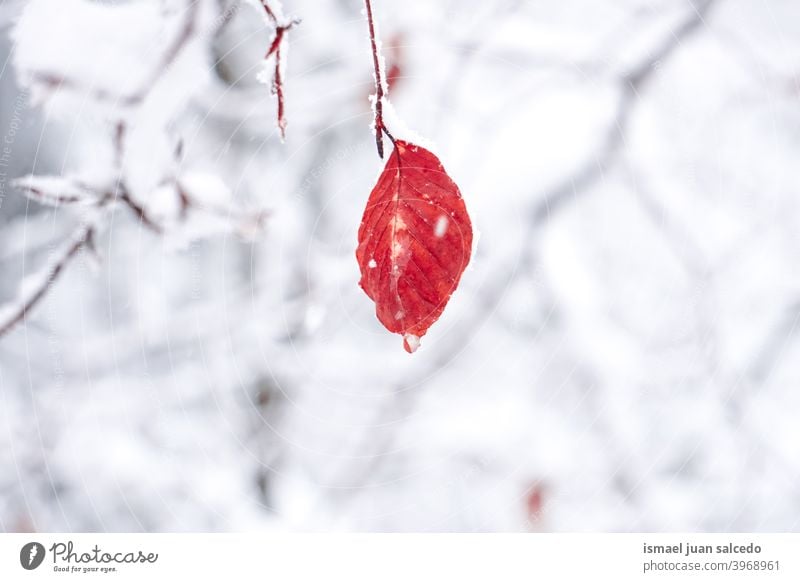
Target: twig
{"x":380,"y":84}
{"x":245,"y":221}
{"x":118,"y":192}
{"x":40,"y":195}
{"x":140,"y":212}
{"x":10,"y":316}
{"x":121,"y":191}
{"x":274,"y":50}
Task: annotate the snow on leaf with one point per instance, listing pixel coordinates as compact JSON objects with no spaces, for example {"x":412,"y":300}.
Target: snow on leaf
{"x":410,"y":265}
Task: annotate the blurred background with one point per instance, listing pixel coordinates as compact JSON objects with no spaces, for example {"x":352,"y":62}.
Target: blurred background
{"x":622,"y":354}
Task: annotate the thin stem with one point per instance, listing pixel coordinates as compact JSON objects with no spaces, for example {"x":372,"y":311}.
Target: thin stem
{"x":277,"y":87}
{"x":83,"y":238}
{"x":275,"y":50}
{"x":380,"y":128}
{"x":270,"y":12}
{"x":140,"y":212}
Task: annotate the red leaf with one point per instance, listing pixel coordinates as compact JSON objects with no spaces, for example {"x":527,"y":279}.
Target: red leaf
{"x":414,"y":242}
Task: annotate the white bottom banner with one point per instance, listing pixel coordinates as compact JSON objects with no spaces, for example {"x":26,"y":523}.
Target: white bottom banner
{"x":400,"y":557}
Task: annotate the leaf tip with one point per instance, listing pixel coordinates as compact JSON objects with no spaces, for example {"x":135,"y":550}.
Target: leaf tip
{"x":411,"y":342}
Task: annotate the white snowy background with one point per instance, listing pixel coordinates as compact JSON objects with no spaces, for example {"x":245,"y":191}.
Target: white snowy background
{"x":622,"y":353}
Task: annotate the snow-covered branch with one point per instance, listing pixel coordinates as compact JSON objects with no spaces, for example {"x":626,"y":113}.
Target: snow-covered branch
{"x":380,"y":82}
{"x":118,"y":187}
{"x":34,"y":288}
{"x":277,"y":52}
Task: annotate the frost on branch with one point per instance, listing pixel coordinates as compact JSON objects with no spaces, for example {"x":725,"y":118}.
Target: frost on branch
{"x":55,"y":190}
{"x":135,"y":67}
{"x":277,"y":54}
{"x":34,"y":287}
{"x":379,"y":66}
